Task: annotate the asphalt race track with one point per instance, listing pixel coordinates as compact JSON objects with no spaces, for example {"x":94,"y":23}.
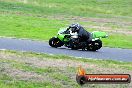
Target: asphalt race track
{"x":43,"y":47}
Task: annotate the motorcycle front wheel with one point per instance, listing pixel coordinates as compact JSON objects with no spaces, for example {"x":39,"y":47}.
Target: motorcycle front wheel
{"x":55,"y":42}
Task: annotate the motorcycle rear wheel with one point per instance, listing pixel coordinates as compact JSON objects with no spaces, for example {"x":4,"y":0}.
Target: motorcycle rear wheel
{"x":95,"y":45}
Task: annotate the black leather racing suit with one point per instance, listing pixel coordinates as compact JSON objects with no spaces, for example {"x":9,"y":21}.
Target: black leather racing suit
{"x":84,"y":35}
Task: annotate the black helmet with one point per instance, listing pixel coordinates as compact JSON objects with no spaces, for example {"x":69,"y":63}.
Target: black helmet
{"x":74,"y":27}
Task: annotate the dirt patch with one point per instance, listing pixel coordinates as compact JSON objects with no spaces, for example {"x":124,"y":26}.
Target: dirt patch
{"x":5,"y":68}
{"x":23,"y":1}
{"x":110,"y":30}
{"x":75,"y":18}
{"x":60,"y":63}
{"x":89,"y":19}
{"x":65,"y":67}
{"x":43,"y":62}
{"x":23,"y":75}
{"x":105,"y":20}
{"x":115,"y":21}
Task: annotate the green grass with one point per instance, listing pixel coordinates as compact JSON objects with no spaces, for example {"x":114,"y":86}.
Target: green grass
{"x":106,"y":63}
{"x":28,"y":27}
{"x":84,"y":8}
{"x":26,"y":84}
{"x":45,"y":28}
{"x":52,"y":77}
{"x":118,"y":40}
{"x":34,"y":19}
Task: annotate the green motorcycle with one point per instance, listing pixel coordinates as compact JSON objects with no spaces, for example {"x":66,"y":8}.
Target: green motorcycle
{"x":66,"y":37}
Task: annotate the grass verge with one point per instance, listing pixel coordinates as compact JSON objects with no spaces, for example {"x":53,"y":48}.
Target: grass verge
{"x":33,"y":70}
{"x":36,"y":19}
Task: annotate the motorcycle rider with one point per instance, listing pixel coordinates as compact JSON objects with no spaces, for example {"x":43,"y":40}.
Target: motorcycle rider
{"x":82,"y":33}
